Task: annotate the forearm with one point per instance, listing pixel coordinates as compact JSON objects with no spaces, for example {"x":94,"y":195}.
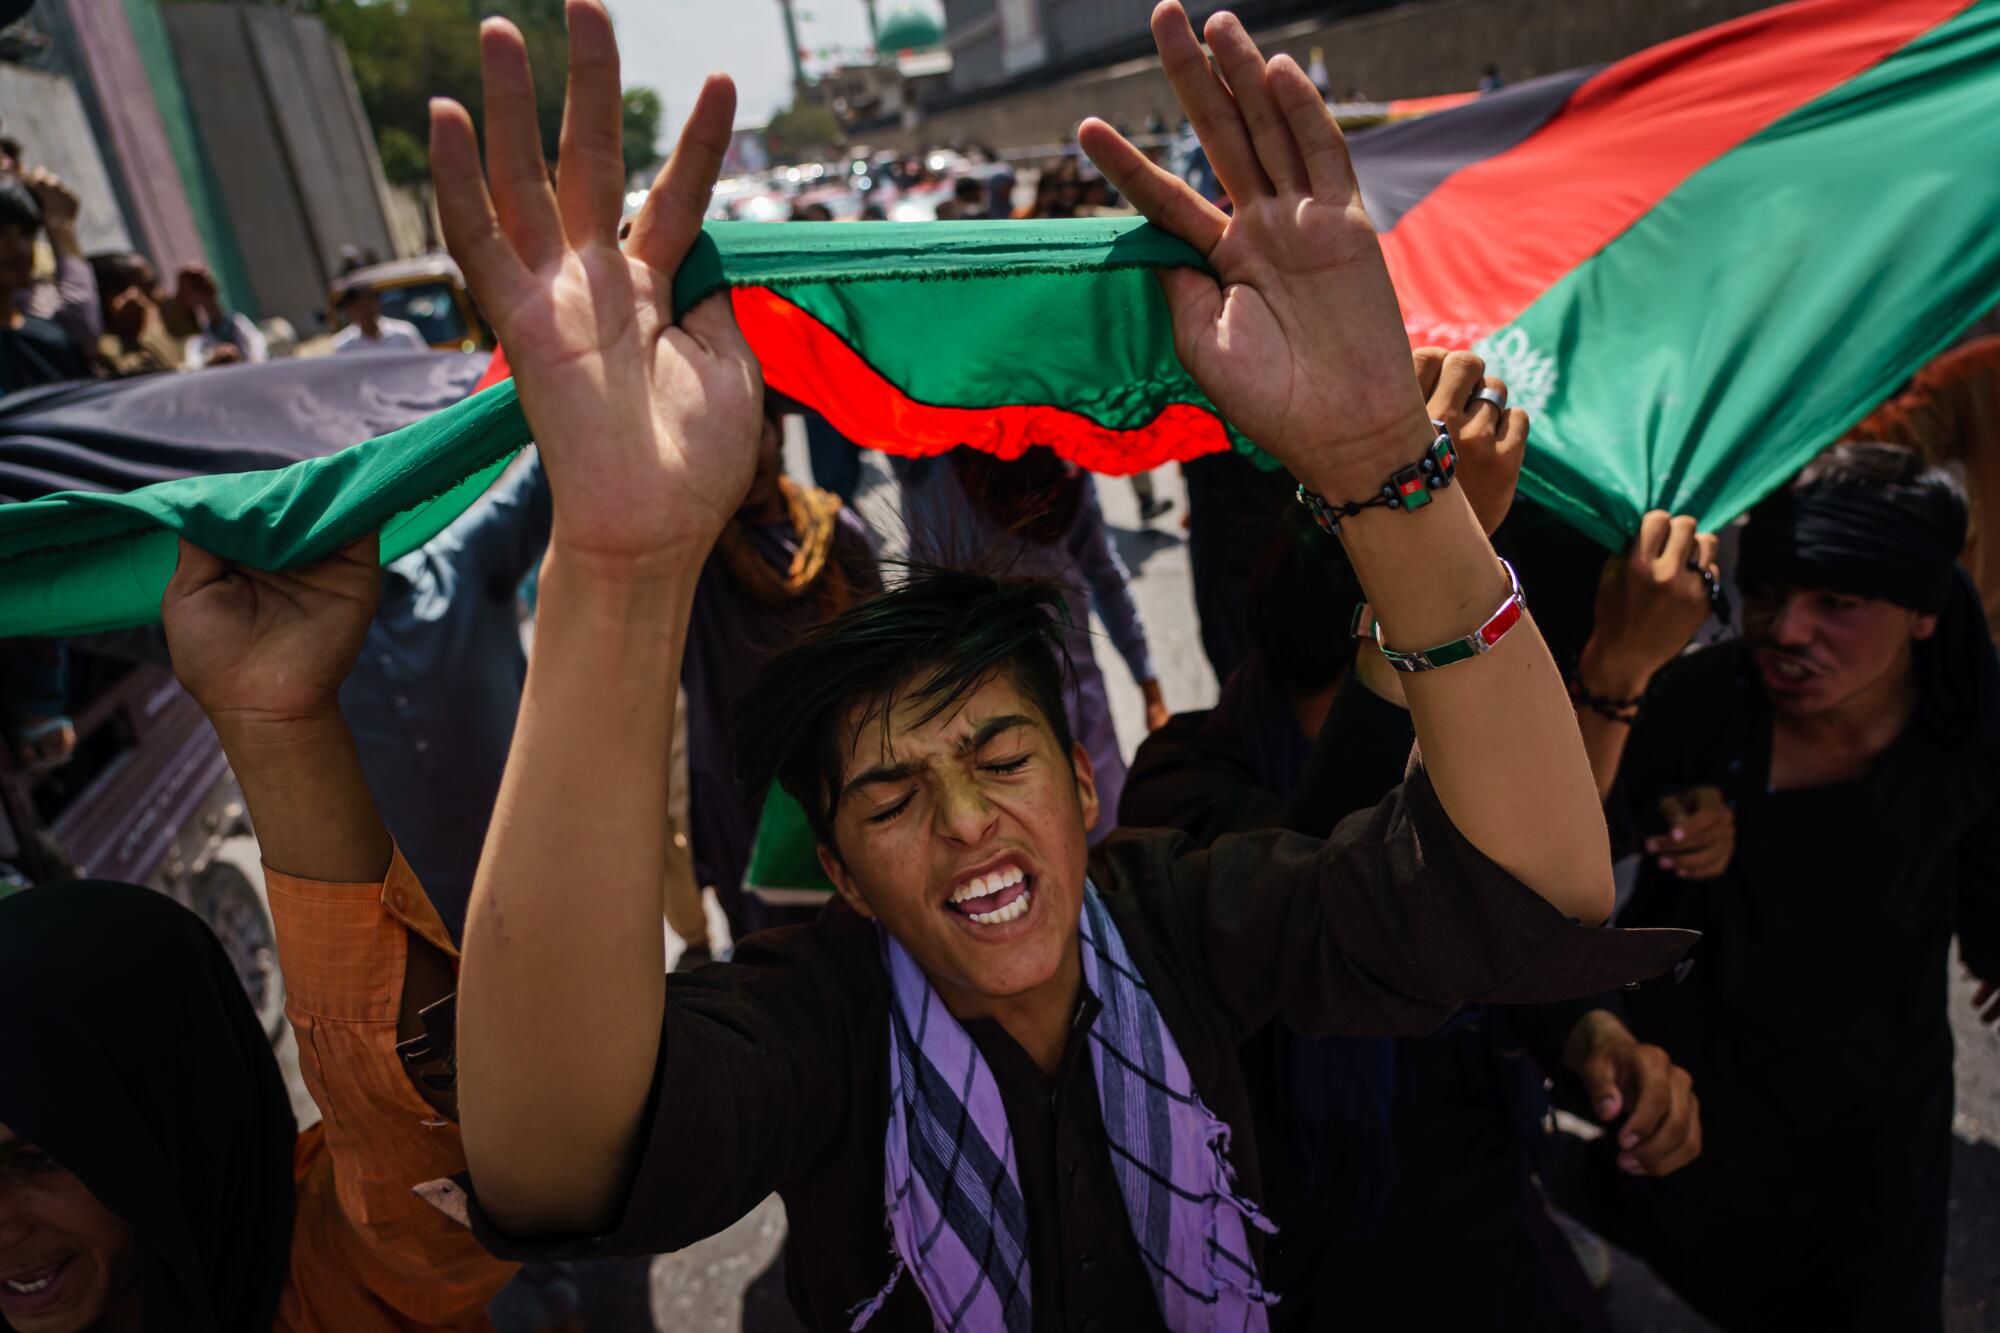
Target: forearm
{"x":1498,"y":734}
{"x":562,"y":988}
{"x":1604,"y":741}
{"x":1604,"y":738}
{"x":308,"y":798}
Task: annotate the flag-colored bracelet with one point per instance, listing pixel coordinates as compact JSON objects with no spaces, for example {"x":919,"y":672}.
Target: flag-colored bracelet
{"x":1408,"y":489}
{"x":1481,"y":641}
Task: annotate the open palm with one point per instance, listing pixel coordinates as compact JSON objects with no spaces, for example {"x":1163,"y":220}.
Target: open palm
{"x":1296,"y":337}
{"x":647,"y":425}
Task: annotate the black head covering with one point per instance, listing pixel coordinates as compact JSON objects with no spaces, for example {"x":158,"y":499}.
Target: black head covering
{"x":1884,"y":542}
{"x":134,"y":1058}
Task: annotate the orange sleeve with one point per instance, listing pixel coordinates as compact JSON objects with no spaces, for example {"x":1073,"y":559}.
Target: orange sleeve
{"x":368,"y":1255}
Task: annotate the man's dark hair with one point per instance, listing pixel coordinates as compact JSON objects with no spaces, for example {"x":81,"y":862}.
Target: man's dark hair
{"x":18,"y":205}
{"x":1302,"y":595}
{"x":936,"y":636}
{"x":117,"y":270}
{"x":1937,"y":492}
{"x":969,"y":190}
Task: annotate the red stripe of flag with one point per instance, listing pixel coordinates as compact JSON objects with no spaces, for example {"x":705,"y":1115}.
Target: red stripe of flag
{"x":1495,"y":235}
{"x":804,"y":359}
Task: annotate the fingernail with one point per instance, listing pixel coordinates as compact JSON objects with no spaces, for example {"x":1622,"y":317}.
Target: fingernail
{"x":1630,"y":1163}
{"x":1607,"y":1107}
{"x":1666,"y":863}
{"x":1680,"y":834}
{"x":1628,"y":1141}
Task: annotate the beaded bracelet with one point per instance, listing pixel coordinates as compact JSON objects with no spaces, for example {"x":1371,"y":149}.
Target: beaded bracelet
{"x":1408,"y":489}
{"x":1627,"y":711}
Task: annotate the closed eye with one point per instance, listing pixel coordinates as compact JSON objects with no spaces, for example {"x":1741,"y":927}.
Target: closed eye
{"x":1008,"y":765}
{"x":884,"y":816}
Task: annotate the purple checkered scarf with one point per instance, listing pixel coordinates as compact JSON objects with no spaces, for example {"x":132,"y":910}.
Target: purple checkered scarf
{"x":953,"y":1189}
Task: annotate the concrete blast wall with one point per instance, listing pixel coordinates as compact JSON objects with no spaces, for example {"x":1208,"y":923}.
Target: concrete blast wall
{"x":45,"y":113}
{"x":276,"y":108}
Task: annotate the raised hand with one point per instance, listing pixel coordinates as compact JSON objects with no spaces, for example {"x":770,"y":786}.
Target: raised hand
{"x":648,"y":427}
{"x":255,"y":647}
{"x":1297,"y":337}
{"x":1492,"y":439}
{"x":1650,"y":602}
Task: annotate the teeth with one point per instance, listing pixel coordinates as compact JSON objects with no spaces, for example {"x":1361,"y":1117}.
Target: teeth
{"x":28,"y":1288}
{"x":980,"y":886}
{"x":1000,"y":916}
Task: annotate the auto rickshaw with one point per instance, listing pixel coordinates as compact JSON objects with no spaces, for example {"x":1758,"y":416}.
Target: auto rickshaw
{"x":428,"y":291}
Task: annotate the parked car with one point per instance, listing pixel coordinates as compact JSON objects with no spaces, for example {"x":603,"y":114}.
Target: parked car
{"x":428,"y":291}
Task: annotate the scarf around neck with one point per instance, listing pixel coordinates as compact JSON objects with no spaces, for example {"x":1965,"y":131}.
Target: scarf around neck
{"x":814,"y":516}
{"x":952,"y":1187}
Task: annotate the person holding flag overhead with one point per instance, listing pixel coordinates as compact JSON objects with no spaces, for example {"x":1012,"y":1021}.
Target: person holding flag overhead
{"x":1068,"y":1021}
{"x":1855,"y":730}
{"x":1064,"y":1020}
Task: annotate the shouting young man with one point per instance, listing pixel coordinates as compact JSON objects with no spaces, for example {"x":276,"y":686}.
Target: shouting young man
{"x":1019,"y":1055}
{"x":1855,"y":730}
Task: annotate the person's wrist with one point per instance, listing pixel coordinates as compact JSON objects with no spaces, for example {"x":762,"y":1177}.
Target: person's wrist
{"x":62,"y":236}
{"x":1376,"y":675}
{"x":1612,"y":675}
{"x":635,"y":568}
{"x":1356,"y":468}
{"x":263,"y":734}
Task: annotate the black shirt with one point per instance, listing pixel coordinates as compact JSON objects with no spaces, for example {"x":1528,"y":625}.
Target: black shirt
{"x":1814,"y":1021}
{"x":773,"y":1072}
{"x":1087,"y":1273}
{"x":1817,"y":1008}
{"x":38,"y":352}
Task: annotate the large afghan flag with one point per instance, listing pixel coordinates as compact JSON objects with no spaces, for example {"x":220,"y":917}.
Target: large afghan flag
{"x":1696,"y":266}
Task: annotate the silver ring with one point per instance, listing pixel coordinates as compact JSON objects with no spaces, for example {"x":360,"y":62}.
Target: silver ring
{"x":1487,"y":394}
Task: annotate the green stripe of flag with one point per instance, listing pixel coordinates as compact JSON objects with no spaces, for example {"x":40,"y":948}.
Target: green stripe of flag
{"x":1777,"y":296}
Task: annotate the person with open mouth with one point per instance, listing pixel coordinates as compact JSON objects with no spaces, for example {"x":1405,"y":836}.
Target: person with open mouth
{"x":1854,"y":731}
{"x":152,"y":1175}
{"x":995,"y":1081}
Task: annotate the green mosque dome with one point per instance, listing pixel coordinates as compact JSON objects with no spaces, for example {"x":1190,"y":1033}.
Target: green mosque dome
{"x":908,"y":30}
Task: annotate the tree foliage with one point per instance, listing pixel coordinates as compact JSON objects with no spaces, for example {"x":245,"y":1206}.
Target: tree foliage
{"x":405,"y":52}
{"x":801,"y":128}
{"x":643,"y":112}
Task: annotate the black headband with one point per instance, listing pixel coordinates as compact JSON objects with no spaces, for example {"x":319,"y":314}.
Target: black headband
{"x":1862,"y":541}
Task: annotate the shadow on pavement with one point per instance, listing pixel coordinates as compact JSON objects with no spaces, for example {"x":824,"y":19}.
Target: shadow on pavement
{"x":1138,"y":545}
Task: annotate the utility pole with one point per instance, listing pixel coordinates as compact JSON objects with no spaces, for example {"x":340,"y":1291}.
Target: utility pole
{"x":874,"y":28}
{"x":792,"y":42}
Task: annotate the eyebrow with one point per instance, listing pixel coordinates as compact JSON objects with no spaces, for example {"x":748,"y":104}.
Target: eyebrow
{"x":882,"y":774}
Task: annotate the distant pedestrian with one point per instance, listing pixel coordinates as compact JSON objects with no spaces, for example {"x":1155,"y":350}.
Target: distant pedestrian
{"x":369,"y":330}
{"x":136,"y":340}
{"x":33,"y":351}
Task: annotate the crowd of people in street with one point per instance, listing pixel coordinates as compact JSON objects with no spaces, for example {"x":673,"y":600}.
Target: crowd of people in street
{"x":1266,"y":1028}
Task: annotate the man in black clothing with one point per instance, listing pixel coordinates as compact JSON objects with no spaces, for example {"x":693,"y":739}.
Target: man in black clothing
{"x":33,"y":351}
{"x":1018,"y":1049}
{"x":1856,"y":732}
{"x":1379,"y":1154}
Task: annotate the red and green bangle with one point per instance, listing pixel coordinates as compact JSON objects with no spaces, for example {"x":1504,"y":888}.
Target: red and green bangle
{"x":1481,"y":641}
{"x":1408,"y":489}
